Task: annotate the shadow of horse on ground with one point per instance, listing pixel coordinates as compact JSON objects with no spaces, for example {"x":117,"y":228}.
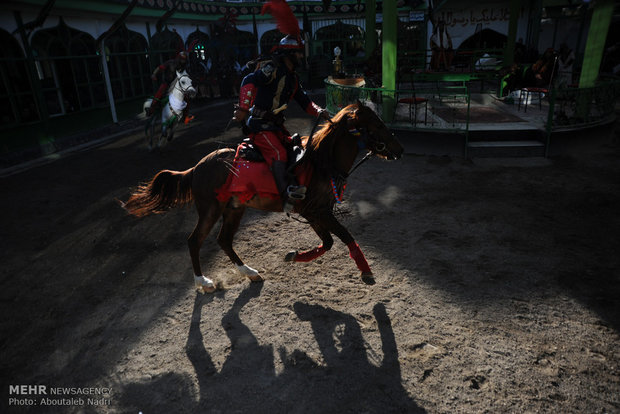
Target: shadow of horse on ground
{"x":248,"y":382}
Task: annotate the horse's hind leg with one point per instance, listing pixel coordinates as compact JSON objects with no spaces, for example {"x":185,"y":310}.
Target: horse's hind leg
{"x":231,"y":218}
{"x":206,"y":220}
{"x":171,"y":132}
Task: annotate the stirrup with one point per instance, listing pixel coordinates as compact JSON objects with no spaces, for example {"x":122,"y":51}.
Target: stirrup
{"x":296,"y":193}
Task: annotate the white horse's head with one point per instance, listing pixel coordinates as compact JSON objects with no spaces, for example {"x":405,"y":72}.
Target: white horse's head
{"x":184,"y":84}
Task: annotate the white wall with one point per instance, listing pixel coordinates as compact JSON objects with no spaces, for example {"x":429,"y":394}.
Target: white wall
{"x":461,"y":20}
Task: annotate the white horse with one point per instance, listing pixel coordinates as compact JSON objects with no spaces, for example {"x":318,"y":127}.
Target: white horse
{"x":172,"y":112}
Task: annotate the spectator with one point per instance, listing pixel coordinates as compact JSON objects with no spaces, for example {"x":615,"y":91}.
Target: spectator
{"x":566,"y":59}
{"x":441,"y":47}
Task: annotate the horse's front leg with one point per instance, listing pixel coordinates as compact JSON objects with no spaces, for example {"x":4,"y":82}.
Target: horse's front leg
{"x":309,"y":255}
{"x":324,"y":225}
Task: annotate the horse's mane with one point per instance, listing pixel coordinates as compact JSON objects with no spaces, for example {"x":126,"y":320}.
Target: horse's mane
{"x":323,"y":139}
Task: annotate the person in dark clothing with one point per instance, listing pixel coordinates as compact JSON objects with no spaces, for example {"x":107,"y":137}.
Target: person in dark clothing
{"x":544,"y":69}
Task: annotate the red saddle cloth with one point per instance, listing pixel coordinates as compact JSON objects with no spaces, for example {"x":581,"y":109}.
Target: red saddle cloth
{"x":251,"y":178}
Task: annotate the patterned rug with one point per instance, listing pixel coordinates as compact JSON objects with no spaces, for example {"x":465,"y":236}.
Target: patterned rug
{"x":477,"y":115}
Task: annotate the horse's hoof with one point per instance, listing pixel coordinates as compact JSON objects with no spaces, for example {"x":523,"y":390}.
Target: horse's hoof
{"x":252,"y":274}
{"x":290,"y":256}
{"x":205,"y":289}
{"x":368,"y":278}
{"x":204,"y":284}
{"x":256,"y":279}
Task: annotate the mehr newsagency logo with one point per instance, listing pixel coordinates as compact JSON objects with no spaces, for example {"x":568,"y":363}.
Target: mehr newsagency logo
{"x":44,"y":395}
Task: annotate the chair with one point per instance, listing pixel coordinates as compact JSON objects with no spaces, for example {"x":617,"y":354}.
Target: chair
{"x":413,"y":102}
{"x":529,"y":91}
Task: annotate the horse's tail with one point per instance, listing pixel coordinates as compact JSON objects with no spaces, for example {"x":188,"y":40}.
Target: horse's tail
{"x":166,"y":190}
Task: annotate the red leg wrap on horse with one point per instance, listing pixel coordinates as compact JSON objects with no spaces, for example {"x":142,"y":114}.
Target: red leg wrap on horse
{"x":310,"y":254}
{"x":357,"y":255}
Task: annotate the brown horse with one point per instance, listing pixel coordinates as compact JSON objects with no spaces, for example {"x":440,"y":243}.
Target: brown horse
{"x":330,"y":154}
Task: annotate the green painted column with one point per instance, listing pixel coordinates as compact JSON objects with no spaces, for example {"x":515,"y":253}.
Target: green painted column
{"x":389,"y":47}
{"x":371,"y":32}
{"x":509,"y":53}
{"x":595,"y":45}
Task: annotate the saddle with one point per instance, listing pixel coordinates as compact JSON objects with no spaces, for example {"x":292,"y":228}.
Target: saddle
{"x":295,"y":152}
{"x":251,"y":175}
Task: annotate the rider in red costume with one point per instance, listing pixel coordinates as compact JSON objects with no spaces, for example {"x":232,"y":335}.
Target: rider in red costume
{"x":263,"y":97}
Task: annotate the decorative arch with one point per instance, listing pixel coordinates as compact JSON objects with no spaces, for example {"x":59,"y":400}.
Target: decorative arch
{"x":197,"y":44}
{"x":245,"y":46}
{"x":17,"y":102}
{"x":165,"y":45}
{"x":471,"y":49}
{"x":411,"y":45}
{"x":128,"y":66}
{"x":69,"y":69}
{"x":270,"y":39}
{"x":485,"y":39}
{"x":230,"y":50}
{"x":350,"y":38}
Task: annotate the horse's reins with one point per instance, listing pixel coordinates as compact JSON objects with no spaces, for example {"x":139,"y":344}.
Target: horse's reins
{"x":177,"y":83}
{"x":316,"y":123}
{"x":360,"y":162}
{"x":362,"y":142}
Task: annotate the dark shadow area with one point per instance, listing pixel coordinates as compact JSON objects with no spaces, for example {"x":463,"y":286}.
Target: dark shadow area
{"x":69,"y":251}
{"x":345,"y":382}
{"x":494,"y":231}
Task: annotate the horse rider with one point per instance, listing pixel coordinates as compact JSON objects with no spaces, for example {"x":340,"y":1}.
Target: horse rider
{"x":263,"y":96}
{"x":168,"y":71}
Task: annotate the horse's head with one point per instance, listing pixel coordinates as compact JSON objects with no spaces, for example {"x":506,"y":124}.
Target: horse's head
{"x":184,"y":84}
{"x":373,"y":134}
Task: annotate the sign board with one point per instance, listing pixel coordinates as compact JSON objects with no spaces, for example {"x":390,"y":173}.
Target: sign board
{"x":416,"y":16}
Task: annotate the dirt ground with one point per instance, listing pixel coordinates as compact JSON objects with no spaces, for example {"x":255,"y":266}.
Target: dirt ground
{"x":497,"y":290}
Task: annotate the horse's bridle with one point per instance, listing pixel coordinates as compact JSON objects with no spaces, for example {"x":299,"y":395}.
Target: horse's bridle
{"x":370,"y":142}
{"x":176,"y":85}
{"x":364,"y":141}
{"x":178,"y":82}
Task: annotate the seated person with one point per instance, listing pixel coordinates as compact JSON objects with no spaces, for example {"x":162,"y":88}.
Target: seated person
{"x":543,"y":70}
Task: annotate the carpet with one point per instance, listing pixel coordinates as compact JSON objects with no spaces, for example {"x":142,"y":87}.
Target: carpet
{"x":477,"y":115}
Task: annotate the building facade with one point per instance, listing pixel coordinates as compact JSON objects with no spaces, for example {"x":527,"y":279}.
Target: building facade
{"x":69,"y":65}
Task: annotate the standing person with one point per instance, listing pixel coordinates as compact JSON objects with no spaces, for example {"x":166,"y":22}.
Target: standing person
{"x":441,"y":47}
{"x":168,"y":71}
{"x":566,"y":59}
{"x":264,"y":95}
